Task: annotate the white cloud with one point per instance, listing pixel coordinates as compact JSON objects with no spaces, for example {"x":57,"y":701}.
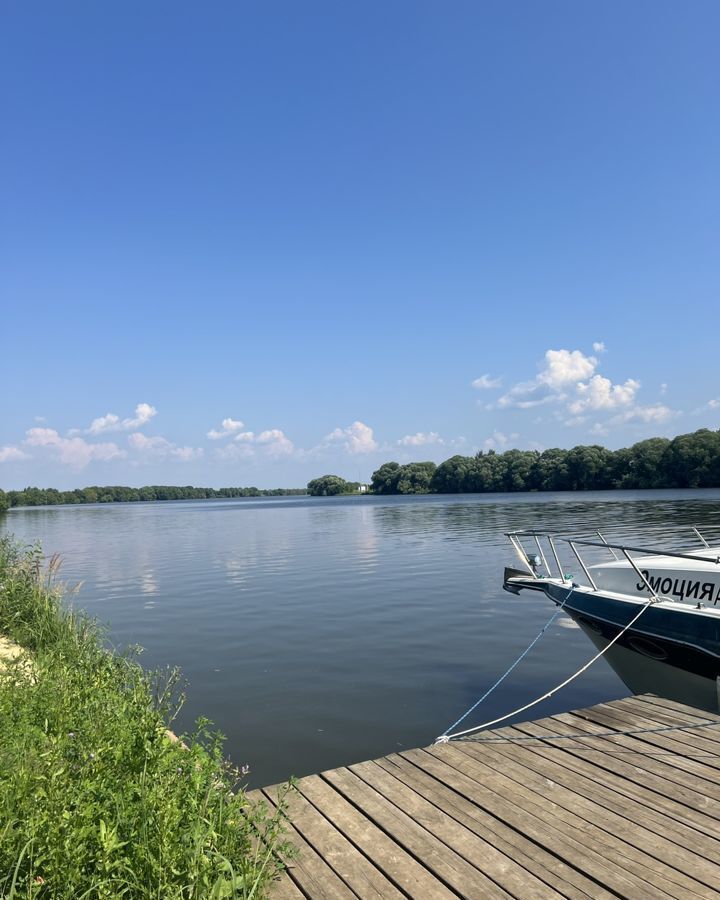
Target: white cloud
{"x":275,"y":443}
{"x":568,"y":378}
{"x":228,"y":427}
{"x":655,"y":413}
{"x":160,"y":448}
{"x":110,"y":422}
{"x":499,"y":441}
{"x":562,"y":367}
{"x":235,"y":451}
{"x":12,"y":454}
{"x":485,"y":382}
{"x":663,"y":389}
{"x":526,"y":395}
{"x":74,"y":451}
{"x":707,"y":407}
{"x":272,"y":443}
{"x":186,"y":454}
{"x":601,"y":393}
{"x":357,"y":438}
{"x":421,"y":439}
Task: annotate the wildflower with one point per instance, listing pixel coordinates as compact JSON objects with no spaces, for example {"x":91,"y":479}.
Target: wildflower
{"x":92,"y":756}
{"x":71,"y":734}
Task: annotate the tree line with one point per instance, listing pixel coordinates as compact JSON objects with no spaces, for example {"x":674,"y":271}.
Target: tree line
{"x":686,"y":461}
{"x":34,"y":496}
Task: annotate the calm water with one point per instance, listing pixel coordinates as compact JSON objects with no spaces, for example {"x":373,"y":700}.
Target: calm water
{"x":316,"y":632}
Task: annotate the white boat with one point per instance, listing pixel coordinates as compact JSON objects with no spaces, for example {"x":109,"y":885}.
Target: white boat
{"x":653,"y":612}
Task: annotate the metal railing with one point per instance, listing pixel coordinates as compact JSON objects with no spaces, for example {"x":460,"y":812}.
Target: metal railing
{"x":532,"y":562}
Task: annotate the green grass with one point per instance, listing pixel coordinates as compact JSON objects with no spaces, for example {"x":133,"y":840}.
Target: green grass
{"x":95,"y":800}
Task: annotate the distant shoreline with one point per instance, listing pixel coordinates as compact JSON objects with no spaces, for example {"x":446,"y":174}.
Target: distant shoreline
{"x":33,"y":496}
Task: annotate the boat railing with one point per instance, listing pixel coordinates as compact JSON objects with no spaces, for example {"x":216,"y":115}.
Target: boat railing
{"x":544,"y":540}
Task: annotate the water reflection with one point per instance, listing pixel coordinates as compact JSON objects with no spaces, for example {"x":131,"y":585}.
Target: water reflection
{"x":148,"y":585}
{"x":319,"y":632}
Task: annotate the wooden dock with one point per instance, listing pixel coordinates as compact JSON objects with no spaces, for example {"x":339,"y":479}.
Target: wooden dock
{"x":620,"y":815}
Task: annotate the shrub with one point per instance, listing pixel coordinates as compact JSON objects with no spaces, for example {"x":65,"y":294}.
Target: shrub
{"x":95,"y":800}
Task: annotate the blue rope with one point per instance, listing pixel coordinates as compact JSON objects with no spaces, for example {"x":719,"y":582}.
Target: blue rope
{"x":505,"y":675}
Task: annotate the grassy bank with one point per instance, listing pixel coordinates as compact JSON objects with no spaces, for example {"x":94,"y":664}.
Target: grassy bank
{"x":95,"y":800}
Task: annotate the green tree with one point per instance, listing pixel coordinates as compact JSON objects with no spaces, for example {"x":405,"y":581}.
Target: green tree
{"x":551,"y":471}
{"x":693,"y":460}
{"x":519,"y":469}
{"x":644,"y":465}
{"x":589,"y":468}
{"x":415,"y":478}
{"x":452,"y":476}
{"x":487,"y":473}
{"x":328,"y":486}
{"x":385,"y":479}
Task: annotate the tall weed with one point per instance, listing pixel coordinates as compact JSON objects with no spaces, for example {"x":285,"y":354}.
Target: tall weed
{"x":96,"y":801}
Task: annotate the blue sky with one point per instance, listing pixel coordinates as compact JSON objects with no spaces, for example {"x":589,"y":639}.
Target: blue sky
{"x":377,"y":231}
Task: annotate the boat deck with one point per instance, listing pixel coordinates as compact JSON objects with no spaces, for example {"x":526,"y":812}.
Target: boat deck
{"x":590,"y":816}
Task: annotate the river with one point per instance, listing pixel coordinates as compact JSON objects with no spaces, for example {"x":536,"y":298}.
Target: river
{"x":318,"y":632}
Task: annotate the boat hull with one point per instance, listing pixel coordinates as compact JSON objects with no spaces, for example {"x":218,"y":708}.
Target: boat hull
{"x":644,"y":675}
{"x":668,"y":652}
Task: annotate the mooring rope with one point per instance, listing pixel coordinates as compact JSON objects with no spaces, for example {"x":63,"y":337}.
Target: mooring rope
{"x":447,"y":735}
{"x":508,"y":671}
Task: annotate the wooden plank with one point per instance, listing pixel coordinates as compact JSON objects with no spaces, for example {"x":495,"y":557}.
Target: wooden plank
{"x":663,"y":748}
{"x":351,"y":866}
{"x":658,"y":835}
{"x":682,"y":708}
{"x":284,"y":888}
{"x":563,"y":809}
{"x":587,"y":817}
{"x":627,"y":778}
{"x":501,"y":869}
{"x":309,"y":870}
{"x":636,"y":715}
{"x":447,"y":865}
{"x":674,"y":753}
{"x":579,"y":845}
{"x":646,"y":721}
{"x":647,"y":851}
{"x":666,"y":765}
{"x":545,"y":865}
{"x":664,"y":716}
{"x":402,"y":869}
{"x":679,"y":711}
{"x":591,"y":718}
{"x":690,"y":729}
{"x":674,"y":706}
